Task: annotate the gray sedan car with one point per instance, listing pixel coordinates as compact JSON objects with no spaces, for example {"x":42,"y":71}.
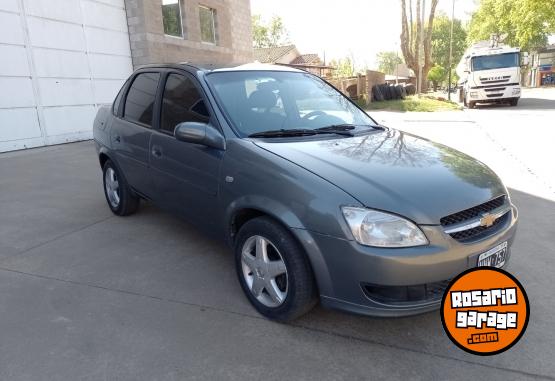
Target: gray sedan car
{"x":317,"y":200}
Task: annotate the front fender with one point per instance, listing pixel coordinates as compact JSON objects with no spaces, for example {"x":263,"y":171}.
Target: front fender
{"x":286,"y":217}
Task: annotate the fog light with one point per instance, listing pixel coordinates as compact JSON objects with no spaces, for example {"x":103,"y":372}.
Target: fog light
{"x":473,"y":94}
{"x":516,"y":91}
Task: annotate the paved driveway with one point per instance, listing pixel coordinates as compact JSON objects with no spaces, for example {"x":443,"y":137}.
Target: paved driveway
{"x":517,"y":142}
{"x":85,"y":295}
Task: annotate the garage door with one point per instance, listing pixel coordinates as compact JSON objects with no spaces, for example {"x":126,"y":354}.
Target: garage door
{"x":59,"y":61}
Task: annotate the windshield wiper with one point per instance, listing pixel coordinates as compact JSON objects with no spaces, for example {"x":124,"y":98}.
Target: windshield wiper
{"x":348,"y":127}
{"x":299,"y":132}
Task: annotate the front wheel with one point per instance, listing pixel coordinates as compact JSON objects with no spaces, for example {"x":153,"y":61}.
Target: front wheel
{"x":471,"y":104}
{"x":514,"y":102}
{"x":274,"y":271}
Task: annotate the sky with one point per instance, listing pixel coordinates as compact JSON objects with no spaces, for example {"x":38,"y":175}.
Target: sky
{"x":357,"y":28}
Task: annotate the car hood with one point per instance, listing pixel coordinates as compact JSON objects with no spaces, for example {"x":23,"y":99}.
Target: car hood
{"x":395,"y":171}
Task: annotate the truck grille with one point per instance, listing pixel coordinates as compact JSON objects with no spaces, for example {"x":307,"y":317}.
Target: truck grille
{"x":472,"y":214}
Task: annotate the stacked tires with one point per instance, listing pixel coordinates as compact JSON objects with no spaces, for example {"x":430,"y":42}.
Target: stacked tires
{"x":387,"y":92}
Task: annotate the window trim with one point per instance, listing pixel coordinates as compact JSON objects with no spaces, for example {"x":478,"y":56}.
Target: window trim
{"x":156,"y":106}
{"x":215,"y":33}
{"x":180,"y":18}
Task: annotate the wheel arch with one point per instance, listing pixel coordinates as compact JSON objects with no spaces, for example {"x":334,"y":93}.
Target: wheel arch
{"x":250,"y":207}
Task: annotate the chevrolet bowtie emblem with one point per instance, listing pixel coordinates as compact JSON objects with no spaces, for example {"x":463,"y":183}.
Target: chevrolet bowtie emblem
{"x":487,"y":220}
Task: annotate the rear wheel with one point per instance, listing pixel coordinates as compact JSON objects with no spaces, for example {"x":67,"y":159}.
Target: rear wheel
{"x":121,"y":199}
{"x":273,"y":270}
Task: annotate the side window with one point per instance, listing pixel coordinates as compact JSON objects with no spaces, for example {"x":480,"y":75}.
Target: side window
{"x":139,"y":104}
{"x":117,"y":101}
{"x":181,"y":102}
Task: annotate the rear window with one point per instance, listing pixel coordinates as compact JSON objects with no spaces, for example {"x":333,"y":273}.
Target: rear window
{"x":139,"y":104}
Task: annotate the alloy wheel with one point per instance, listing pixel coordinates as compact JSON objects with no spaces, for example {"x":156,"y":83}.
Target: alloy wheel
{"x":264,"y":271}
{"x":111,"y":184}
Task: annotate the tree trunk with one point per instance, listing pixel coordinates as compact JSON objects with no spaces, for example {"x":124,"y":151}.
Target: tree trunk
{"x":410,"y":37}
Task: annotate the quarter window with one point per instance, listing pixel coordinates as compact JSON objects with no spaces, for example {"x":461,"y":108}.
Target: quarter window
{"x":171,"y":15}
{"x":182,"y":102}
{"x":139,"y":104}
{"x":207,"y":24}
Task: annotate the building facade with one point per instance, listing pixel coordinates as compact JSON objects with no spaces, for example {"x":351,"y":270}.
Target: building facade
{"x":542,"y":71}
{"x":60,"y":60}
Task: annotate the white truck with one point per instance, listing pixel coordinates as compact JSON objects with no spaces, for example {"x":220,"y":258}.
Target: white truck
{"x":489,"y":72}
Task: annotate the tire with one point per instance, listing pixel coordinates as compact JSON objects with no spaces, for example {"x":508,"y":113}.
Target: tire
{"x":471,"y":104}
{"x":119,"y":196}
{"x":514,"y":102}
{"x":297,"y":289}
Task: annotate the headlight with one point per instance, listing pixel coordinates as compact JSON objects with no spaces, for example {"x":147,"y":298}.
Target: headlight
{"x":373,"y":228}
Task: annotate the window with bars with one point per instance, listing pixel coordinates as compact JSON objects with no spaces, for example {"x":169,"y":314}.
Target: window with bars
{"x":171,"y":16}
{"x":207,"y":24}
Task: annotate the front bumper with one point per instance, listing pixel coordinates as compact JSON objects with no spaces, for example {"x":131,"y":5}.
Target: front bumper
{"x":343,"y":268}
{"x":493,"y":93}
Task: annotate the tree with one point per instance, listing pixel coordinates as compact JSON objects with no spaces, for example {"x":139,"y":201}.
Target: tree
{"x":436,"y":75}
{"x":268,"y":35}
{"x":526,"y":23}
{"x":342,"y":68}
{"x":440,"y":42}
{"x":388,"y":61}
{"x":411,"y":32}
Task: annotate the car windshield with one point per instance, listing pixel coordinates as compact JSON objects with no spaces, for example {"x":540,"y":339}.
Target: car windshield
{"x":497,"y":61}
{"x":259,"y":101}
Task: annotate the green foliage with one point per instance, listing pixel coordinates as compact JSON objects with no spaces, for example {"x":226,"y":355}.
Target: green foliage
{"x":437,"y":75}
{"x":441,"y":32}
{"x":527,"y":23}
{"x":342,"y":67}
{"x":269,"y":35}
{"x":414,"y":103}
{"x":388,"y":61}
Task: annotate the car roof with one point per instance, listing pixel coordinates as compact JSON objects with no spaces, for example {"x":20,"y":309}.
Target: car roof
{"x":255,"y":66}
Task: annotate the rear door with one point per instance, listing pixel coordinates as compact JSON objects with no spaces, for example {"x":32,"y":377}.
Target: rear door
{"x":186,"y":174}
{"x":132,"y":130}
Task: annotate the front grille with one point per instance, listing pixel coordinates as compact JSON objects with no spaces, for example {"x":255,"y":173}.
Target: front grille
{"x":496,"y":89}
{"x":399,"y":295}
{"x":474,"y":212}
{"x":472,"y":233}
{"x":494,"y":95}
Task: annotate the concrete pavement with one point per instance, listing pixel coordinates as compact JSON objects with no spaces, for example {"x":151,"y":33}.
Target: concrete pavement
{"x":516,"y":142}
{"x":85,"y":295}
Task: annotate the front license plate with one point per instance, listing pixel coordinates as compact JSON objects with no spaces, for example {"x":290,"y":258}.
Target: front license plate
{"x":494,"y":257}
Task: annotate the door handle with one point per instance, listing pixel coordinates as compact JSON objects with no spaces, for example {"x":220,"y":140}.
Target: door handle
{"x":156,"y":151}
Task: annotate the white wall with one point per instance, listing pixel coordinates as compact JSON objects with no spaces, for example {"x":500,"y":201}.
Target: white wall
{"x":59,"y":61}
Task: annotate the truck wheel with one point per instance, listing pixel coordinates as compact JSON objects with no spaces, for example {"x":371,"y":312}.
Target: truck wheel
{"x":273,"y":270}
{"x":471,"y":104}
{"x":514,"y":102}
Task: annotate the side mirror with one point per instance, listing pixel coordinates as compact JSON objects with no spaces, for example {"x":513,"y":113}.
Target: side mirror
{"x":199,"y":133}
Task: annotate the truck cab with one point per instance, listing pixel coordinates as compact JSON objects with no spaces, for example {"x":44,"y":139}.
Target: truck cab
{"x":489,"y":74}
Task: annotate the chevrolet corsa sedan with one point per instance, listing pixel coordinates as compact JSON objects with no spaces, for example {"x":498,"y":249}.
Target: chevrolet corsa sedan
{"x":317,"y":200}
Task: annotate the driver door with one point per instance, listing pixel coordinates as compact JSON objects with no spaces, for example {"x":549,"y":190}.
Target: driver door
{"x":185,"y":174}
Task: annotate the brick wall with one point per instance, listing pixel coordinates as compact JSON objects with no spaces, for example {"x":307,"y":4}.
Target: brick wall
{"x":149,"y":44}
